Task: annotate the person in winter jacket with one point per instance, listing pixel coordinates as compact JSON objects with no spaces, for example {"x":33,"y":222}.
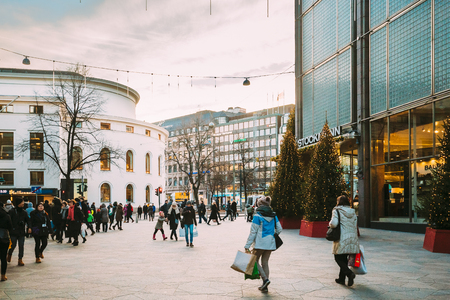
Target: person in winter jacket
{"x":228,"y":211}
{"x":233,"y":210}
{"x":40,"y":226}
{"x":189,"y":220}
{"x":64,"y":213}
{"x":5,"y":225}
{"x":74,"y":219}
{"x":105,"y":217}
{"x":214,"y":215}
{"x":19,"y":219}
{"x":264,"y":225}
{"x":151,"y":212}
{"x":201,"y":212}
{"x":130,"y":213}
{"x":111,"y":213}
{"x":249,"y":213}
{"x":98,"y":219}
{"x":159,"y":226}
{"x":348,"y":243}
{"x":56,"y":218}
{"x":8,"y":205}
{"x":173,"y":218}
{"x":48,"y":209}
{"x":145,"y":211}
{"x":30,"y":208}
{"x":119,"y":217}
{"x":139,"y":212}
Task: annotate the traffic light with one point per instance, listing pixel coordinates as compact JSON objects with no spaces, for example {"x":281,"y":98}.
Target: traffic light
{"x":156,"y":192}
{"x":85,"y":188}
{"x":160,"y":190}
{"x":79,"y":189}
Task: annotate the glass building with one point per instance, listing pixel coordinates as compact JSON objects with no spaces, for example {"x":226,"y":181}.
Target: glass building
{"x":379,"y":71}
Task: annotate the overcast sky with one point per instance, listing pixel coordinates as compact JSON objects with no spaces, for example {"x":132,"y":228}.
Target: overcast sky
{"x":171,"y":37}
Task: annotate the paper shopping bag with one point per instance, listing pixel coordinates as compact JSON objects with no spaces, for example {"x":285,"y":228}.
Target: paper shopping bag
{"x":255,"y":274}
{"x":244,"y":262}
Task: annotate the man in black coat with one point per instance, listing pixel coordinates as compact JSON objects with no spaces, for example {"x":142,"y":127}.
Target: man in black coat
{"x":145,"y":210}
{"x":233,"y":210}
{"x":130,"y":212}
{"x":19,"y":219}
{"x":201,"y":212}
{"x":165,"y":208}
{"x":48,"y":209}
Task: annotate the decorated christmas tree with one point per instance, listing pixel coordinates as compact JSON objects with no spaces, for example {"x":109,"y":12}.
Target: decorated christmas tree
{"x":325,"y":180}
{"x":436,"y":207}
{"x":286,"y":188}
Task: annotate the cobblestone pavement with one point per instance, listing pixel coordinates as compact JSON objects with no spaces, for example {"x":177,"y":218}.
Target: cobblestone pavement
{"x":128,"y":264}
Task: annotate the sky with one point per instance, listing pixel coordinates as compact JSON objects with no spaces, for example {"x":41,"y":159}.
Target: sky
{"x":199,"y":38}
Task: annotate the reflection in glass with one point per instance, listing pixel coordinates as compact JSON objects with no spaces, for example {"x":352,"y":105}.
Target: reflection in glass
{"x":129,"y":193}
{"x":442,"y":112}
{"x":379,"y":141}
{"x":398,"y":137}
{"x":422,"y":131}
{"x":105,"y":193}
{"x":105,"y":159}
{"x":129,"y":161}
{"x":147,"y":194}
{"x":421,"y":178}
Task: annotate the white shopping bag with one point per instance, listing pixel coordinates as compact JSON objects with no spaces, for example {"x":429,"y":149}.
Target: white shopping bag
{"x":83,"y":230}
{"x":361,"y":270}
{"x":195,"y":231}
{"x":181,"y":232}
{"x":244,"y":262}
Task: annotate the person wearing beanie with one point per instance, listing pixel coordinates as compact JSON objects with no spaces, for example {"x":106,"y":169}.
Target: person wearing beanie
{"x":189,"y":220}
{"x":19,"y":218}
{"x":264,"y":225}
{"x":8,"y":205}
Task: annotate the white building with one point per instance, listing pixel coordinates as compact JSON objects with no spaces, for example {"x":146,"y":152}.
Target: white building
{"x":135,"y":177}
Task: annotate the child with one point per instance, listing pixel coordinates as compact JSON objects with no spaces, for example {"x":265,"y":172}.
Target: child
{"x":90,"y":220}
{"x":159,"y":225}
{"x":98,"y":220}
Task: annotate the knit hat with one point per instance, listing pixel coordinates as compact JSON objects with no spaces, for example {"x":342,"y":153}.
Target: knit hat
{"x":17,"y":201}
{"x":264,"y":201}
{"x":8,"y":201}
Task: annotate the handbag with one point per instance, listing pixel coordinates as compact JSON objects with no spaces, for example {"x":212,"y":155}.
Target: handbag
{"x":244,"y":262}
{"x":4,"y":236}
{"x":35,"y":231}
{"x":255,"y":274}
{"x":278,"y":241}
{"x":334,"y":234}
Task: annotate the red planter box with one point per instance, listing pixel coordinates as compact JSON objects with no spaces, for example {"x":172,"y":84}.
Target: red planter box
{"x":437,"y":240}
{"x":290,"y":223}
{"x":314,"y":229}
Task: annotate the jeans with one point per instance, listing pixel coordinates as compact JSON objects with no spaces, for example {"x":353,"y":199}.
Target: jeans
{"x":342,"y":261}
{"x":263,"y":267}
{"x":14,"y":240}
{"x":191,"y":230}
{"x":41,"y":244}
{"x":3,"y":252}
{"x":200,"y":217}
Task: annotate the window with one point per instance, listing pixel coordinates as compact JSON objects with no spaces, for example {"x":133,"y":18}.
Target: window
{"x":272,"y":120}
{"x":77,"y":157}
{"x":241,"y":125}
{"x":79,"y":124}
{"x":235,"y":126}
{"x":129,"y":193}
{"x":8,"y":176}
{"x":130,"y":129}
{"x":175,"y":182}
{"x":105,"y":193}
{"x":36,"y":109}
{"x":267,"y":131}
{"x":159,"y":136}
{"x":175,"y":168}
{"x":171,"y":133}
{"x":169,"y":170}
{"x":148,"y":132}
{"x":261,"y":132}
{"x":272,"y":130}
{"x":8,"y":109}
{"x":36,"y":146}
{"x":159,"y":165}
{"x":170,"y":181}
{"x":147,"y":163}
{"x":36,"y":178}
{"x":105,"y":159}
{"x":245,"y":124}
{"x":6,"y":145}
{"x":147,"y":194}
{"x":129,"y":161}
{"x":105,"y":126}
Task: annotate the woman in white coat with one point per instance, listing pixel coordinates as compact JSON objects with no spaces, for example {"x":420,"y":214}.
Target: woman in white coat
{"x":264,"y":225}
{"x":348,"y":243}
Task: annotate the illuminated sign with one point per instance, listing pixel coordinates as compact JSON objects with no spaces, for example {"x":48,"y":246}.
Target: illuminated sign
{"x":312,"y":139}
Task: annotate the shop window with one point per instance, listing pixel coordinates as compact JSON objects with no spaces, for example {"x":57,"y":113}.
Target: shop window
{"x":422,"y":131}
{"x":105,"y":193}
{"x":105,"y":126}
{"x":8,"y":176}
{"x":77,"y":157}
{"x":36,"y":109}
{"x":398,"y":137}
{"x":36,"y":178}
{"x":147,"y":163}
{"x":147,"y":194}
{"x":130,"y":193}
{"x":442,"y":112}
{"x":36,"y":146}
{"x":105,"y":159}
{"x":6,"y":145}
{"x":129,"y":161}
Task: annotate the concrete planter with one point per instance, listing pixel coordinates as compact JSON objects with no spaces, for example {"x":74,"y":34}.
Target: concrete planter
{"x":314,"y":229}
{"x":437,"y":240}
{"x":289,"y":223}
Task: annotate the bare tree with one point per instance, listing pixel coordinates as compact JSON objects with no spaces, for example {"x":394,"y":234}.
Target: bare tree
{"x":70,"y":138}
{"x":246,"y":165}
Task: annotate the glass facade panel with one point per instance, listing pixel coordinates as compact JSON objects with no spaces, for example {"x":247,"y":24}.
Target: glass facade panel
{"x":397,"y":5}
{"x":442,"y":45}
{"x":442,"y":112}
{"x":345,"y":87}
{"x":378,"y":71}
{"x":344,"y":23}
{"x":325,"y":90}
{"x":324,"y":30}
{"x":306,"y":4}
{"x":378,"y":12}
{"x":410,"y":56}
{"x":307,"y":104}
{"x":379,"y":141}
{"x":398,"y":137}
{"x":421,"y":178}
{"x":422,"y":131}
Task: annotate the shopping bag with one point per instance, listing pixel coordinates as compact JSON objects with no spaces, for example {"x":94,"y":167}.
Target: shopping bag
{"x":83,"y":230}
{"x":255,"y":274}
{"x":244,"y":262}
{"x":195,"y":231}
{"x":361,"y":270}
{"x":181,"y":232}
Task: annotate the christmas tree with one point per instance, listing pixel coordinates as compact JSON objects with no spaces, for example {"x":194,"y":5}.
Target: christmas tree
{"x":286,"y":188}
{"x":325,"y":180}
{"x":436,"y":207}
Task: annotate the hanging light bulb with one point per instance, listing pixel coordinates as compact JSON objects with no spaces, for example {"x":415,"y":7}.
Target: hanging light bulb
{"x":26,"y":61}
{"x":246,"y":82}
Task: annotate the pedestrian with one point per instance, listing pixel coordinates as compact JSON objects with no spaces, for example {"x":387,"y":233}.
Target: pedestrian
{"x":119,"y":217}
{"x":64,"y":214}
{"x":8,"y":205}
{"x":189,"y":220}
{"x":348,"y":243}
{"x":165,"y":208}
{"x":98,"y":219}
{"x":90,"y":221}
{"x":152,"y":212}
{"x":74,"y":218}
{"x":56,"y":218}
{"x":264,"y":225}
{"x":233,"y":210}
{"x":173,"y":219}
{"x":249,"y":213}
{"x":30,"y":208}
{"x":145,"y":211}
{"x":125,"y":208}
{"x":159,"y":226}
{"x":228,"y":211}
{"x":40,"y":224}
{"x":130,"y":213}
{"x":214,"y":215}
{"x":5,"y":228}
{"x":105,"y":217}
{"x":201,"y":212}
{"x":93,"y":207}
{"x":19,"y":218}
{"x":111,"y":213}
{"x":48,"y":209}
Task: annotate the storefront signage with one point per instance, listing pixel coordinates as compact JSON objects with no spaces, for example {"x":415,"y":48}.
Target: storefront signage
{"x":3,"y":191}
{"x":312,"y":139}
{"x":431,"y":167}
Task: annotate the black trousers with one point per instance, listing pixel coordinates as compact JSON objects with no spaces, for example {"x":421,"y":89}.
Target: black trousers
{"x":174,"y":233}
{"x":105,"y":226}
{"x":3,"y":251}
{"x":14,"y":240}
{"x":342,"y":261}
{"x":40,"y":244}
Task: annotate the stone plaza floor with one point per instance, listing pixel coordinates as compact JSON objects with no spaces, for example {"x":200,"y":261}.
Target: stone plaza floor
{"x":128,"y":264}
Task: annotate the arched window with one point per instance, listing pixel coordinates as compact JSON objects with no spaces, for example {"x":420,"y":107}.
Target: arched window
{"x":77,"y":156}
{"x":105,"y":159}
{"x":147,"y":163}
{"x":147,"y":194}
{"x":129,"y":193}
{"x":105,"y":193}
{"x":159,"y":165}
{"x":129,"y":161}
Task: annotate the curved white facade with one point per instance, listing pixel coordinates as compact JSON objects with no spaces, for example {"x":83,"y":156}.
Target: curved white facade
{"x":118,"y":112}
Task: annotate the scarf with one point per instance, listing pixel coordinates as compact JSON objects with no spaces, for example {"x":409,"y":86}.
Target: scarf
{"x":71,"y":216}
{"x":265,"y":211}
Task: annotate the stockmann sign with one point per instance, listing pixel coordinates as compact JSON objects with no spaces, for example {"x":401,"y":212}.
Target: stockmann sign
{"x":312,"y":139}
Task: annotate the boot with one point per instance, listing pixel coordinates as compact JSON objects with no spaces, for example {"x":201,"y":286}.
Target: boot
{"x":38,"y":260}
{"x":114,"y":227}
{"x":41,"y":255}
{"x":154,"y":237}
{"x":20,"y":263}
{"x":4,"y":277}
{"x":164,"y":237}
{"x":8,"y":257}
